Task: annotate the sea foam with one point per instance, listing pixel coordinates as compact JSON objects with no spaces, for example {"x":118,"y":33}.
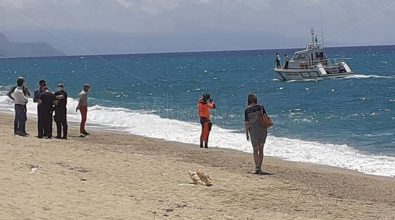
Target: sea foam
{"x":151,"y":125}
{"x":361,"y":76}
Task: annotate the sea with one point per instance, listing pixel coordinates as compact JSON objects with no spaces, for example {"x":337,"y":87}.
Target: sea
{"x":343,"y":122}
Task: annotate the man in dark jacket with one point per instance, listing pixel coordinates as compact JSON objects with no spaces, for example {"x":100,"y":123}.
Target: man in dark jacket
{"x":45,"y":100}
{"x":61,"y":112}
{"x":36,"y":95}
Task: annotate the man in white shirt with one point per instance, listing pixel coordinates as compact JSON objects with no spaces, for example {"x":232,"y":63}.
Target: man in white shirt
{"x":20,"y":100}
{"x":278,"y":61}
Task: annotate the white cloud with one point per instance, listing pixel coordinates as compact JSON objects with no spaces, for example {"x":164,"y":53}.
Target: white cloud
{"x":149,"y":6}
{"x":28,"y":4}
{"x":15,"y":4}
{"x":173,"y":4}
{"x":126,"y":3}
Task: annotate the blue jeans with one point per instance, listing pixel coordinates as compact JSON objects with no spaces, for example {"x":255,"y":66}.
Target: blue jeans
{"x":20,"y":119}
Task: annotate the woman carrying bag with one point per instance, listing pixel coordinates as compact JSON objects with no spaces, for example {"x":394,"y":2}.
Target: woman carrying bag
{"x":256,"y":124}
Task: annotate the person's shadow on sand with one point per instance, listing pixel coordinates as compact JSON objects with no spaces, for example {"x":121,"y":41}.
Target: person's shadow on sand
{"x":261,"y":174}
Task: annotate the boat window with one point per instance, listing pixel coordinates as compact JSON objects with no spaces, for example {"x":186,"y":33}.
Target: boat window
{"x":302,"y":56}
{"x":296,"y":57}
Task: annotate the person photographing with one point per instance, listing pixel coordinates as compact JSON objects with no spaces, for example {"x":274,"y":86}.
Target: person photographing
{"x":205,"y":104}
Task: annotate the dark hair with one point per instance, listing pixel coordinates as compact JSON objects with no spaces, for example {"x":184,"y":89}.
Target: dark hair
{"x":252,"y":98}
{"x":206,"y":97}
{"x":20,"y":81}
{"x":42,"y":82}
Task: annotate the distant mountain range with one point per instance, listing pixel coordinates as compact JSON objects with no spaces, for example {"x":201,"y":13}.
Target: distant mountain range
{"x":18,"y":49}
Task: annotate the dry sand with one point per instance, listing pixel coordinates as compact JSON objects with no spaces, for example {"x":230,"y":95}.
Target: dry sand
{"x":119,"y":176}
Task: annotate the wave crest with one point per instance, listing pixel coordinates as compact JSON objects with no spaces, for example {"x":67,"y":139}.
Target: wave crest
{"x":151,"y":125}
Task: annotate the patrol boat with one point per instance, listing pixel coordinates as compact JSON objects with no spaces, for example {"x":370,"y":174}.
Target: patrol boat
{"x":312,"y":63}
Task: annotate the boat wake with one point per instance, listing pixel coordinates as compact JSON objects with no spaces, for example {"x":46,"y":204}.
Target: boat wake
{"x":363,"y":76}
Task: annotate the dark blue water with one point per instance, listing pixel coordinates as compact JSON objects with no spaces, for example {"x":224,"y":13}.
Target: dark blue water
{"x":358,"y":111}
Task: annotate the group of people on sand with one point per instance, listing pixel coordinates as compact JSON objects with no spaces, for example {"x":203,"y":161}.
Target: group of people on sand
{"x":256,"y":124}
{"x":48,"y":103}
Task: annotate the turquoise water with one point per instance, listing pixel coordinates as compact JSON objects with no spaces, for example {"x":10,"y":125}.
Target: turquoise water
{"x":357,"y":111}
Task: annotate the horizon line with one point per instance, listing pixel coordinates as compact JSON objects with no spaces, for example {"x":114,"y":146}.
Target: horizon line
{"x":197,"y":51}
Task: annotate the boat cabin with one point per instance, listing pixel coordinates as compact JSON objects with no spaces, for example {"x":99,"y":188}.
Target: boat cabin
{"x":309,"y":57}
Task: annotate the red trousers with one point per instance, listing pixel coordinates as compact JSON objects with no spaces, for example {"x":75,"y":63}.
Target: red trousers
{"x":205,"y":131}
{"x":84,"y":113}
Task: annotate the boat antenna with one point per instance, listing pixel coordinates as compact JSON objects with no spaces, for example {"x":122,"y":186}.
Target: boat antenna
{"x":312,"y":36}
{"x":322,"y":37}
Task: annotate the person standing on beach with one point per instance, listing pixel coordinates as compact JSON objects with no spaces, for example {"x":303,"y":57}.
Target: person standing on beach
{"x":61,"y":112}
{"x":255,"y":130}
{"x":18,"y":95}
{"x":205,"y":104}
{"x":83,"y":108}
{"x":286,"y":61}
{"x":46,"y":101}
{"x":278,"y":61}
{"x":36,"y":95}
{"x":26,"y":91}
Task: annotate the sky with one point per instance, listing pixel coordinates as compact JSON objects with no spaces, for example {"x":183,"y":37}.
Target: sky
{"x":150,"y":26}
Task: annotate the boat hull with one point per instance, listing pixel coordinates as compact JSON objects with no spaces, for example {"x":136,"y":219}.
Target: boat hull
{"x":303,"y":74}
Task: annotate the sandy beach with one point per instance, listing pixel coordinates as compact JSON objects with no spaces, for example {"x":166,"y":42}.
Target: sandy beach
{"x":119,"y":176}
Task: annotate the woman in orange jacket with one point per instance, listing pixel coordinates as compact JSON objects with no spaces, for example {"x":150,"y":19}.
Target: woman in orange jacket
{"x":205,"y":104}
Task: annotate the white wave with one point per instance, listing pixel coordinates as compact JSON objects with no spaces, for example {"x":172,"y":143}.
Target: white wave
{"x":6,"y":105}
{"x":361,"y":76}
{"x":150,"y":125}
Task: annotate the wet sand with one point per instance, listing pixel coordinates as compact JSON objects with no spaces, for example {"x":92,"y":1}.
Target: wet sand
{"x":118,"y":176}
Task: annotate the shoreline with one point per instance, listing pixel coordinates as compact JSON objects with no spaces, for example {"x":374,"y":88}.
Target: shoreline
{"x":271,"y":150}
{"x":113,"y":175}
{"x":116,"y":130}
